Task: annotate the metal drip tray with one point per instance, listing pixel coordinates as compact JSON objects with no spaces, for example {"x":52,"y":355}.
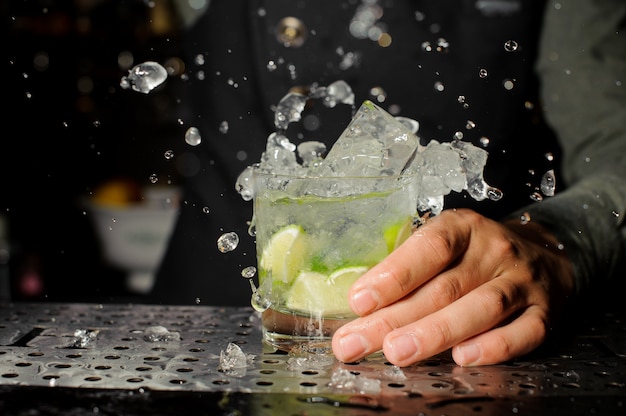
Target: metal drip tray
{"x":106,"y":351}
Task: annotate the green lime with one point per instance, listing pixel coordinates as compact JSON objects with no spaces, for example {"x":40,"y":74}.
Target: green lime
{"x":317,"y":293}
{"x":284,"y":254}
{"x":398,"y":233}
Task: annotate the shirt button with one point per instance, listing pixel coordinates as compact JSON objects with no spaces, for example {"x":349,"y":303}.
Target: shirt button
{"x":291,"y":32}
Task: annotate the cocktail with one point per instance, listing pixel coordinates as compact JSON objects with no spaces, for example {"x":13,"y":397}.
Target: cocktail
{"x":322,"y":222}
{"x":312,"y":245}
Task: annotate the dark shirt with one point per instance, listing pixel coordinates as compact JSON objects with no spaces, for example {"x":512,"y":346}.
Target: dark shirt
{"x":469,"y":80}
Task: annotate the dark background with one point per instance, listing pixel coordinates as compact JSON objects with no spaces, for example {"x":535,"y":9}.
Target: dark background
{"x":68,"y":127}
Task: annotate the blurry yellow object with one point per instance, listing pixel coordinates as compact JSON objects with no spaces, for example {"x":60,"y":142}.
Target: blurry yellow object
{"x":117,"y":193}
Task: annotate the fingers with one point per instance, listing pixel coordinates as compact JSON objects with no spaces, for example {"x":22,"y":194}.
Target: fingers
{"x":521,"y":336}
{"x":477,"y":312}
{"x":405,"y":339}
{"x":425,"y":254}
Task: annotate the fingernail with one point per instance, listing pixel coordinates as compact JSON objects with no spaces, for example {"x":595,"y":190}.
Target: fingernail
{"x":364,"y":301}
{"x":467,"y":354}
{"x":352,"y":347}
{"x":401,"y":348}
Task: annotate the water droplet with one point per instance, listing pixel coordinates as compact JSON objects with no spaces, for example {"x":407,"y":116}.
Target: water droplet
{"x":458,"y":135}
{"x":470,"y":124}
{"x":484,"y":141}
{"x":227,"y":242}
{"x":224,"y":127}
{"x":169,"y":154}
{"x":144,"y":77}
{"x":271,"y":66}
{"x":199,"y":59}
{"x":461,"y":99}
{"x":548,"y":183}
{"x":549,"y":156}
{"x":153,"y":178}
{"x":205,"y":210}
{"x":426,"y":46}
{"x":494,"y":194}
{"x":536,"y":196}
{"x":510,"y":46}
{"x":248,"y":272}
{"x":442,"y":45}
{"x":192,"y":136}
{"x":258,"y":302}
{"x":508,"y":84}
{"x":439,"y":86}
{"x":198,"y":301}
{"x":379,"y":94}
{"x":483,"y":73}
{"x":524,"y":218}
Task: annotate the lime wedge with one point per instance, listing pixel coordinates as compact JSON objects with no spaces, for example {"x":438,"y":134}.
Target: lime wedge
{"x":284,"y":254}
{"x":317,"y":293}
{"x":398,"y":233}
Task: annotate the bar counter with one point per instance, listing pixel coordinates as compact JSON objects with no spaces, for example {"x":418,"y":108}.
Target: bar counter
{"x":134,"y":359}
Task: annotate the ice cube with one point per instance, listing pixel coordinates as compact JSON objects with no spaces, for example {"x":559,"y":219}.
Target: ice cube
{"x":375,"y":143}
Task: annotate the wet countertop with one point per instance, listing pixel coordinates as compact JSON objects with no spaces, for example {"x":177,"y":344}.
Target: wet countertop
{"x":132,"y":359}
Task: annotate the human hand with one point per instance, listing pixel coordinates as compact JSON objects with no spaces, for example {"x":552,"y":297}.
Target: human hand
{"x":488,"y":290}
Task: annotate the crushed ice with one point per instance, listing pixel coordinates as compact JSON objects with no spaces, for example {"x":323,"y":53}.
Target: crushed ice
{"x":344,"y":380}
{"x":374,"y":143}
{"x":83,"y":337}
{"x":159,"y":333}
{"x":233,"y":361}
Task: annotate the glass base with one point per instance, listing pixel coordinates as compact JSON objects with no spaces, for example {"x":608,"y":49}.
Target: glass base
{"x":286,"y":331}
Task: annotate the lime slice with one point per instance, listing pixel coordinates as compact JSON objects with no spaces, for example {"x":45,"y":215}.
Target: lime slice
{"x":284,"y":255}
{"x":398,"y":233}
{"x":317,"y":293}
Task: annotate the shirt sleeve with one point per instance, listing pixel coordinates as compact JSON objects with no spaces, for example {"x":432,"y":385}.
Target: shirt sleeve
{"x":582,"y":68}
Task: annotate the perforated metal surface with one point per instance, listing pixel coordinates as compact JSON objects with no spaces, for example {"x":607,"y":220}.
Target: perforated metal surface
{"x":39,"y":349}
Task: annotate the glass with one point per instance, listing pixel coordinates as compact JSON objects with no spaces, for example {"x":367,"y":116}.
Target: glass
{"x":315,"y":236}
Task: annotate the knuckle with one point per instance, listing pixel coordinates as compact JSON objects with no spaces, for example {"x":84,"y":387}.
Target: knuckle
{"x":499,"y":299}
{"x":441,"y":333}
{"x":443,"y":291}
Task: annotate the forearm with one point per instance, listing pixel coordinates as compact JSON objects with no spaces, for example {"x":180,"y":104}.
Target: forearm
{"x":588,"y":222}
{"x":582,"y":67}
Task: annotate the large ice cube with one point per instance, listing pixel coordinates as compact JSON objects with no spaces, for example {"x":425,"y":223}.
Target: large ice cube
{"x":375,"y":143}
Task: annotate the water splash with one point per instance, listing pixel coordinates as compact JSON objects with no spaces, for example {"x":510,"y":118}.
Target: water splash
{"x":548,"y":183}
{"x":144,"y":77}
{"x":192,"y":136}
{"x":227,"y":242}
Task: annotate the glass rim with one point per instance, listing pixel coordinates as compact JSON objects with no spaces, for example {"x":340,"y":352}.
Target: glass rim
{"x":405,"y":175}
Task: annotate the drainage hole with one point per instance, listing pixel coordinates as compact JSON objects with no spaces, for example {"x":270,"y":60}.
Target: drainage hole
{"x":177,"y":381}
{"x":23,"y":364}
{"x":135,"y":380}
